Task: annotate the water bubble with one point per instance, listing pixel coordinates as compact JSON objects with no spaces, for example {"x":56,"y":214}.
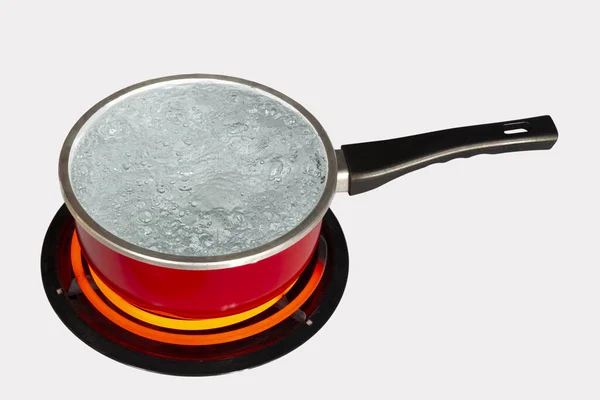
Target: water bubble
{"x":276,"y":169}
{"x":236,"y":217}
{"x":206,"y":239}
{"x":145,"y":217}
{"x":108,"y":130}
{"x":237,"y":128}
{"x":185,"y":175}
{"x":204,"y":221}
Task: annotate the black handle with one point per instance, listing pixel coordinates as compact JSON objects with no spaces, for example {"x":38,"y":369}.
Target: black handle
{"x":374,"y":163}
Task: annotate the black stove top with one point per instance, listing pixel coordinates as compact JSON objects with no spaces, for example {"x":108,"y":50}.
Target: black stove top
{"x":92,"y":327}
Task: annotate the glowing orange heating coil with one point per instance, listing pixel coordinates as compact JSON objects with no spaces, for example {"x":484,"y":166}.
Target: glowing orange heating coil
{"x":180,"y":324}
{"x":188,"y":339}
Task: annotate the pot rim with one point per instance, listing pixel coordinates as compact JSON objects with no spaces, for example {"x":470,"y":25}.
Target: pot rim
{"x":85,"y":221}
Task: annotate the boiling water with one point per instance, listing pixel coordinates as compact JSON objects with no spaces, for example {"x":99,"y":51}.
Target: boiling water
{"x":198,"y":167}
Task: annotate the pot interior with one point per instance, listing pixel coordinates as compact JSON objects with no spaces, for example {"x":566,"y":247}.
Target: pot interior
{"x":198,"y":166}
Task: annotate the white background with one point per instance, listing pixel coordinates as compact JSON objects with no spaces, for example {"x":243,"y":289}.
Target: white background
{"x":475,"y":279}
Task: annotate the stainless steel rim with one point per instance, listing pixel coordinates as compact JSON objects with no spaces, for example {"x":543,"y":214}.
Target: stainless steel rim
{"x":185,"y":262}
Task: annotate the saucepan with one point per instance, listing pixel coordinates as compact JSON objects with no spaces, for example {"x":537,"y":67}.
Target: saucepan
{"x":201,"y":196}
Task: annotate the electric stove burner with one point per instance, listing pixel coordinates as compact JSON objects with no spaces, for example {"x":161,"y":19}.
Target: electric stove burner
{"x":160,"y":343}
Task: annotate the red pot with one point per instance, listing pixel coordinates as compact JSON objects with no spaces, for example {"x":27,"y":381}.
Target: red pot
{"x":203,"y":287}
{"x":199,"y":293}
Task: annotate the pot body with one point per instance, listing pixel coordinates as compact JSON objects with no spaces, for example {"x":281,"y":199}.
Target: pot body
{"x":199,"y":294}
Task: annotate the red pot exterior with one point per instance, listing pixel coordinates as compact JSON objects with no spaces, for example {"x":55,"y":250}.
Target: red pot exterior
{"x":198,"y":293}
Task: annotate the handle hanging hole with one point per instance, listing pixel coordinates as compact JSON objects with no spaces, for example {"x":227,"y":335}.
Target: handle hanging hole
{"x":515,"y":131}
{"x":515,"y":128}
